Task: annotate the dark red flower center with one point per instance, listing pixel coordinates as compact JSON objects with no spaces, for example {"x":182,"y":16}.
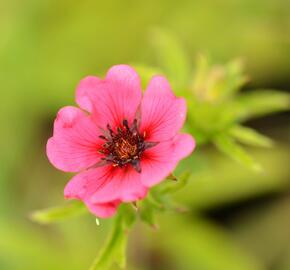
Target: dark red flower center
{"x":125,"y":145}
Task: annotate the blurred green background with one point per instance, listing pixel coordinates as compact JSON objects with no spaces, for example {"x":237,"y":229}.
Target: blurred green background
{"x":238,"y":219}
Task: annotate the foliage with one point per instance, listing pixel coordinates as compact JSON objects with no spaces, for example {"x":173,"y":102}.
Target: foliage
{"x":55,"y":214}
{"x":216,"y":105}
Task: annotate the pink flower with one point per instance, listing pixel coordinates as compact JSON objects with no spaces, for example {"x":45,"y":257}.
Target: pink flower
{"x":120,"y":142}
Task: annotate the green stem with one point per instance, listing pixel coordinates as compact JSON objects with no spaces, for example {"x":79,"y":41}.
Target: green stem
{"x":114,"y":250}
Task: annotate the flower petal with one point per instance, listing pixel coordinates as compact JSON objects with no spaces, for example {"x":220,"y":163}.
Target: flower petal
{"x":159,"y":161}
{"x":75,"y":141}
{"x":111,"y":100}
{"x":183,"y":145}
{"x":163,"y":114}
{"x":106,"y":184}
{"x":104,"y":210}
{"x":86,"y":86}
{"x":124,"y":184}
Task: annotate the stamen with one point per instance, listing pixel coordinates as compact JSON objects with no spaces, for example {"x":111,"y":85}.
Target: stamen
{"x":102,"y":137}
{"x":105,"y":132}
{"x":125,"y":146}
{"x":136,"y":165}
{"x":150,"y":144}
{"x":134,"y":126}
{"x":110,"y":129}
{"x":125,"y":124}
{"x":101,"y":163}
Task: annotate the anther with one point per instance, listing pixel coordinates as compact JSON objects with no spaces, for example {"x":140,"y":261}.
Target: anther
{"x":110,"y":129}
{"x":125,"y":124}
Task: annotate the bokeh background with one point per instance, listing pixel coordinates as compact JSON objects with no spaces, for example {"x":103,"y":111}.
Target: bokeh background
{"x":238,"y":219}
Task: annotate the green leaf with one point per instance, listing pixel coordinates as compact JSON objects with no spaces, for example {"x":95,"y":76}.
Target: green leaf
{"x":150,"y":206}
{"x":260,"y":102}
{"x":250,"y":136}
{"x":158,"y":199}
{"x":227,"y":145}
{"x":201,"y":70}
{"x":172,"y":57}
{"x":235,"y":77}
{"x":147,"y":213}
{"x":58,"y":213}
{"x":128,"y":214}
{"x":114,"y":250}
{"x":216,"y":83}
{"x":174,"y":186}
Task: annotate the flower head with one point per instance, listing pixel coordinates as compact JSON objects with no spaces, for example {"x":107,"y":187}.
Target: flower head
{"x":120,"y":142}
